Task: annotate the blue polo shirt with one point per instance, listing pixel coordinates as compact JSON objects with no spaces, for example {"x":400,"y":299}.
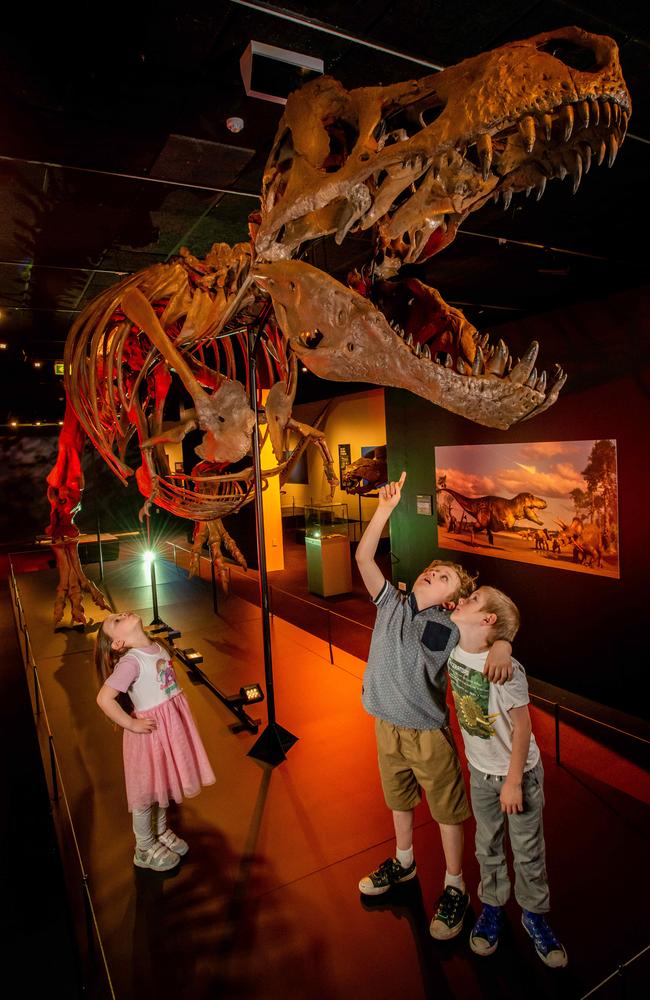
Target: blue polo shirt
{"x":405,"y":681}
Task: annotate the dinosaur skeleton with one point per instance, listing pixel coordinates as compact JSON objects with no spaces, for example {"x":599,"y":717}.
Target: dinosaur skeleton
{"x":409,"y":161}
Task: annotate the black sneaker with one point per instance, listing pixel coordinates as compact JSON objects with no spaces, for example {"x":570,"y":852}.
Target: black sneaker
{"x":450,"y":910}
{"x":389,"y":873}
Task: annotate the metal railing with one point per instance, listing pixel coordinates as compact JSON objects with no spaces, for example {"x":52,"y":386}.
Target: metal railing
{"x":94,"y":945}
{"x":558,"y":710}
{"x":93,"y":937}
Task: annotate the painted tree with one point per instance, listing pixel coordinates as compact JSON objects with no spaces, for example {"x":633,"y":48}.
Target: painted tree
{"x":600,"y":476}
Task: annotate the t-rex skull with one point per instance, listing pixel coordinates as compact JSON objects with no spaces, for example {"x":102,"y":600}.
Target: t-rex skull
{"x":417,"y":157}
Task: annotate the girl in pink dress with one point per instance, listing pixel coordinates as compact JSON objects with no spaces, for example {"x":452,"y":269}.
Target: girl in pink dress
{"x":164,"y":757}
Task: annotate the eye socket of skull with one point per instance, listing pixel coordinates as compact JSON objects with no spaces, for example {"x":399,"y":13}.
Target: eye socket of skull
{"x":572,"y":54}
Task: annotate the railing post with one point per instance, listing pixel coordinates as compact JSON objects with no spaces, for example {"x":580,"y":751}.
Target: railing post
{"x":329,"y":636}
{"x":37,"y":700}
{"x":556,"y":710}
{"x":88,"y":914}
{"x":55,"y":784}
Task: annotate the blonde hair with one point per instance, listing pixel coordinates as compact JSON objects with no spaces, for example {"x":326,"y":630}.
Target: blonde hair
{"x":467,"y":581}
{"x":497,"y":603}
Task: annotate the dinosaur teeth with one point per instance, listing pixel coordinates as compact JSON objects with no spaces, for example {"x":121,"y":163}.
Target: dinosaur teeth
{"x":577,"y":173}
{"x":477,"y":367}
{"x":613,"y":149}
{"x":567,"y":119}
{"x":449,"y":361}
{"x":484,"y":147}
{"x":485,"y":339}
{"x":586,"y":157}
{"x":582,"y":108}
{"x":595,"y":112}
{"x":546,"y":122}
{"x":541,"y":383}
{"x":624,"y":120}
{"x":507,"y":198}
{"x":528,"y":134}
{"x":524,"y":367}
{"x":460,"y":366}
{"x":408,"y":340}
{"x":606,"y":113}
{"x":497,"y":363}
{"x":426,"y":352}
{"x":541,"y":188}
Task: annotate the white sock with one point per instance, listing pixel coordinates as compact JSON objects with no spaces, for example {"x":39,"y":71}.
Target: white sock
{"x":405,"y":858}
{"x":456,"y":880}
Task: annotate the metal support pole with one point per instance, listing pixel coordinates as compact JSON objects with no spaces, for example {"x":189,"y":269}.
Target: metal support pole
{"x":557,"y":733}
{"x":272,"y":745}
{"x":329,"y":635}
{"x":154,"y":594}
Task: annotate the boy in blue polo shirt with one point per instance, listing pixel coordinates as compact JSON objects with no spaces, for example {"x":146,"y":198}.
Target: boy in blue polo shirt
{"x":404,"y":688}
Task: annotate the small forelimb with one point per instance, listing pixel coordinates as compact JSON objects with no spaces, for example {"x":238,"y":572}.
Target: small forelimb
{"x":173,"y":434}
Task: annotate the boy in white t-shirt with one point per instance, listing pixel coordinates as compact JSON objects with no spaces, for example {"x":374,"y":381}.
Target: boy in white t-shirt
{"x":506,"y":775}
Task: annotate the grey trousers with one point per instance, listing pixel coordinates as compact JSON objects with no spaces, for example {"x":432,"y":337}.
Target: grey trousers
{"x":148,"y":824}
{"x":526,"y":839}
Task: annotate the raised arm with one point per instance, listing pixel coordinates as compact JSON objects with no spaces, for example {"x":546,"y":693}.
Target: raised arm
{"x":107,"y":701}
{"x":372,"y":576}
{"x":511,"y":790}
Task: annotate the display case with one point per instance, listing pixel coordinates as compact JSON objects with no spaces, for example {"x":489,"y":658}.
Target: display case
{"x":329,"y":567}
{"x":325,"y":520}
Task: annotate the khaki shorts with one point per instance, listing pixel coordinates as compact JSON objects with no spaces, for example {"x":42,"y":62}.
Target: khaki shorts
{"x":410,"y":759}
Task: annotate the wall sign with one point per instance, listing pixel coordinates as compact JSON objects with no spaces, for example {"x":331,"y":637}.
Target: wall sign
{"x":423,"y":504}
{"x":345,"y":458}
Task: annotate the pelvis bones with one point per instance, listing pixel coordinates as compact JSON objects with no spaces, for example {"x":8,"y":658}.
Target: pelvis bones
{"x":411,"y":162}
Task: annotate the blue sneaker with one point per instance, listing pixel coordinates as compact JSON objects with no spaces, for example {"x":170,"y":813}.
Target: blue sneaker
{"x":485,"y":933}
{"x":547,"y":946}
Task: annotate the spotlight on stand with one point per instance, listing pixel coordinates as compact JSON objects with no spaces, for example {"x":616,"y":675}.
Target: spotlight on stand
{"x":149,"y":558}
{"x":190,"y":657}
{"x":249,"y":694}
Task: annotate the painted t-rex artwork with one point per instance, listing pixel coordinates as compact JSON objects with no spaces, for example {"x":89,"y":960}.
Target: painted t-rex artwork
{"x":498,"y":513}
{"x":410,"y":162}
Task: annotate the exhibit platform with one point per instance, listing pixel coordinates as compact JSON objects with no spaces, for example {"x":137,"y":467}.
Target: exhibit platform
{"x":266,"y":903}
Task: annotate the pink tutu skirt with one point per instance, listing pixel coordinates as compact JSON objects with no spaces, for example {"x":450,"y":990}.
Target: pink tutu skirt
{"x":168,"y":763}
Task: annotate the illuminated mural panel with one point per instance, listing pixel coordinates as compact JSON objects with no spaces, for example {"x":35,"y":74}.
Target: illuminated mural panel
{"x":550,"y":503}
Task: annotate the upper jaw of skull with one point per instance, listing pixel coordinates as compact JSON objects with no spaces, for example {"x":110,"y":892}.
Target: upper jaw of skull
{"x":416,"y":158}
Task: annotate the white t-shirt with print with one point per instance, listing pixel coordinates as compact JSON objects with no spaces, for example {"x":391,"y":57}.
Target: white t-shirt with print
{"x":483,"y":711}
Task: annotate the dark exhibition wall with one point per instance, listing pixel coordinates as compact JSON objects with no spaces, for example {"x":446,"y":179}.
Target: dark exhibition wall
{"x":580,"y":630}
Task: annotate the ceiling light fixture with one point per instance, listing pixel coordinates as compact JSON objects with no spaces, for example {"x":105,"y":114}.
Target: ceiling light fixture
{"x":271,"y":73}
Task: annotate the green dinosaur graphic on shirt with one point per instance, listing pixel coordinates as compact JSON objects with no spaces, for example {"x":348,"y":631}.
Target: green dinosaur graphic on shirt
{"x":471,"y":691}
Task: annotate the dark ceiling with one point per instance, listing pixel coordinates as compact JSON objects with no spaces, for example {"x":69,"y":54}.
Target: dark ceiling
{"x":114,"y":153}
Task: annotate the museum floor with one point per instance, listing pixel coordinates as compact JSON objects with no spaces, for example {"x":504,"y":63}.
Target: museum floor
{"x":266,"y":903}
